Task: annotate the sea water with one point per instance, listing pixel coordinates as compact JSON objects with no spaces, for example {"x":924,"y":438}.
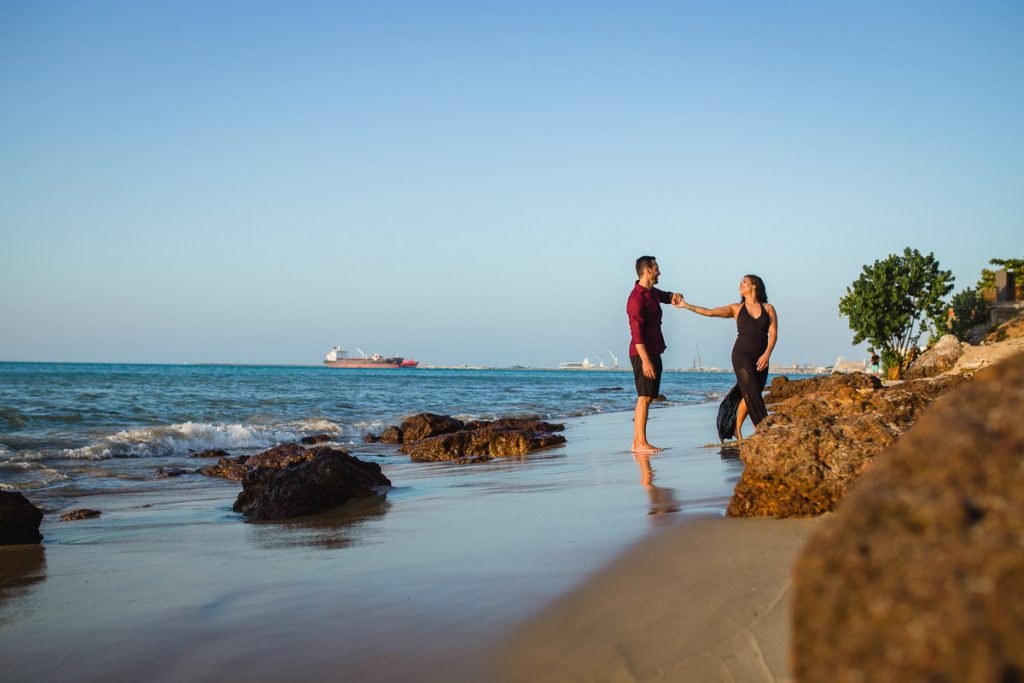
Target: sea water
{"x":70,"y":429}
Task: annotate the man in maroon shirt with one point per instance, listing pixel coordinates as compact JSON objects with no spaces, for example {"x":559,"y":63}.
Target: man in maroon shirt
{"x":646,"y":344}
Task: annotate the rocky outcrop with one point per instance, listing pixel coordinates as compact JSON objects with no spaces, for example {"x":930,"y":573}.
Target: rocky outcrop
{"x":76,"y":515}
{"x":429,"y":437}
{"x":228,"y":468}
{"x":941,"y":357}
{"x":426,"y":425}
{"x":315,"y":439}
{"x":482,"y":444}
{"x":914,"y":577}
{"x":19,"y":519}
{"x":326,"y":479}
{"x":821,"y":434}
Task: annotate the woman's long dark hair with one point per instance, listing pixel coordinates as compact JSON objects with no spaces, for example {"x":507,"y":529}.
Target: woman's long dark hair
{"x":760,"y":293}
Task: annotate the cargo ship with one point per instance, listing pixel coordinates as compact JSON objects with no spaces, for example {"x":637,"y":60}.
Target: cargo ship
{"x":338,"y":357}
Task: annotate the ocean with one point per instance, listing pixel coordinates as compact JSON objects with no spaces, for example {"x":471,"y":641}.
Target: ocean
{"x":68,"y":430}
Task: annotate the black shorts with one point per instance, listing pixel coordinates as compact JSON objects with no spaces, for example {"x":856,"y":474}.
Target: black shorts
{"x":644,"y":385}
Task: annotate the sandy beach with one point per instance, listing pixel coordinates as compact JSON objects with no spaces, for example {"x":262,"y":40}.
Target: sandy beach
{"x":437,"y":577}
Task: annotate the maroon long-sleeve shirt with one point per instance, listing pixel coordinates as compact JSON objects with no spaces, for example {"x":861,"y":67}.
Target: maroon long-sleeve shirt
{"x":643,"y":308}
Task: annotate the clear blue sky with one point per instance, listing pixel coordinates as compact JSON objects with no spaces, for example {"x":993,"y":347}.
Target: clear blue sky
{"x":466,"y":183}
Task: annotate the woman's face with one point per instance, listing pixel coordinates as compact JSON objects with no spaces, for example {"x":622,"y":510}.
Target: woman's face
{"x":745,"y":286}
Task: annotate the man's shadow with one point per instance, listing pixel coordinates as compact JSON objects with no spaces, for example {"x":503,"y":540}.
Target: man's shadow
{"x":662,"y":499}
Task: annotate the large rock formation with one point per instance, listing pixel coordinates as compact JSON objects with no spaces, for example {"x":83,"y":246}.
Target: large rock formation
{"x":918,"y":575}
{"x":19,"y":519}
{"x":942,"y":356}
{"x":820,"y":436}
{"x":326,"y":479}
{"x":425,"y":425}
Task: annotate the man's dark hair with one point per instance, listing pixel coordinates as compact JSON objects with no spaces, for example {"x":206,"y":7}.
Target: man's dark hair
{"x":642,"y":263}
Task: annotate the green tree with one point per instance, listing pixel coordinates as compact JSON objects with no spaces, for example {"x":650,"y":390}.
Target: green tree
{"x":987,"y":283}
{"x":891,"y":302}
{"x":969,"y":310}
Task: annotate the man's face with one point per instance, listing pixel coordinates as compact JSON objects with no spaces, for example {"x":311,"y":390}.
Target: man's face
{"x":653,"y":271}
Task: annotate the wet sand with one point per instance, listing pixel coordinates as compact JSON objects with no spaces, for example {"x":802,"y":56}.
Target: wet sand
{"x":426,"y":583}
{"x":704,"y":601}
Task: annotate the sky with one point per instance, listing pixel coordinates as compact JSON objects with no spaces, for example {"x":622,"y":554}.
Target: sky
{"x":465,"y":182}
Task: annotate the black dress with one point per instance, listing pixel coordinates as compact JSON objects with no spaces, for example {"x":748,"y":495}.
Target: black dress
{"x":751,"y":343}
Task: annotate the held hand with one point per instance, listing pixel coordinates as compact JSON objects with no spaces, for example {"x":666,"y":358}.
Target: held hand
{"x":762,"y":362}
{"x":677,"y":299}
{"x":649,"y":370}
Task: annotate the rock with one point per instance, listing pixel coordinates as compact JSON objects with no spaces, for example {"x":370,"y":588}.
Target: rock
{"x":328,"y":479}
{"x":914,"y":577}
{"x":783,"y":388}
{"x":425,"y":425}
{"x":168,"y":472}
{"x":602,"y":390}
{"x":76,"y":515}
{"x":213,"y":453}
{"x":19,"y":519}
{"x":391,"y":435}
{"x":820,"y":436}
{"x":530,"y":423}
{"x":481,"y":444}
{"x":280,"y":456}
{"x":370,"y":438}
{"x":315,"y":439}
{"x":229,"y":468}
{"x":936,"y":360}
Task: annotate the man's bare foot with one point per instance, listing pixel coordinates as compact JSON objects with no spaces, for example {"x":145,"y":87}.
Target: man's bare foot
{"x":645,"y":448}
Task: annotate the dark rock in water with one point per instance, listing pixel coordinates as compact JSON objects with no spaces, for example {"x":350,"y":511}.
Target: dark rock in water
{"x":76,"y":515}
{"x":936,"y":360}
{"x":490,"y":442}
{"x":213,"y":453}
{"x":168,"y":472}
{"x":229,"y":468}
{"x":328,"y":479}
{"x":19,"y":519}
{"x":918,"y":575}
{"x":820,"y":436}
{"x":660,"y":398}
{"x":370,"y":438}
{"x":425,"y":425}
{"x":391,"y":435}
{"x":601,"y":390}
{"x":315,"y":439}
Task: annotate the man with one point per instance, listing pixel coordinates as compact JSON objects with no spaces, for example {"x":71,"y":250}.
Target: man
{"x":643,"y":308}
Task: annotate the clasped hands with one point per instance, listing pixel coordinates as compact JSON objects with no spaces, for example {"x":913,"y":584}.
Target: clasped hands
{"x":678,"y":301}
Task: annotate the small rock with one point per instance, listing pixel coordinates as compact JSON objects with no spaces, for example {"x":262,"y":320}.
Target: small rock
{"x":83,"y":513}
{"x":19,"y":519}
{"x":213,"y":453}
{"x":315,"y":439}
{"x":370,"y":438}
{"x":228,"y":468}
{"x":936,"y":360}
{"x":328,"y":479}
{"x":168,"y":472}
{"x":391,"y":435}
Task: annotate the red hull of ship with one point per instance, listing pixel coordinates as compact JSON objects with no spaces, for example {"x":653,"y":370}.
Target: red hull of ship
{"x":363,"y":364}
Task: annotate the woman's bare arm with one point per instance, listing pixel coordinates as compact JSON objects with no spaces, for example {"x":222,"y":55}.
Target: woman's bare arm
{"x":727,"y":311}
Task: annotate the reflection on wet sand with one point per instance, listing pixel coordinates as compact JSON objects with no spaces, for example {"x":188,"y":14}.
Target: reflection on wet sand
{"x":338,"y":528}
{"x":662,"y":499}
{"x":21,"y":568}
{"x":730,"y":451}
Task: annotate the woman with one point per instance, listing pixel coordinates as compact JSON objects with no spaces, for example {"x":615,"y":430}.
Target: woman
{"x":757,"y":325}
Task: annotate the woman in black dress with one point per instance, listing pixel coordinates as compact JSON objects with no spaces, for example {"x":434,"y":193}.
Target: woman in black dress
{"x":757,"y":325}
